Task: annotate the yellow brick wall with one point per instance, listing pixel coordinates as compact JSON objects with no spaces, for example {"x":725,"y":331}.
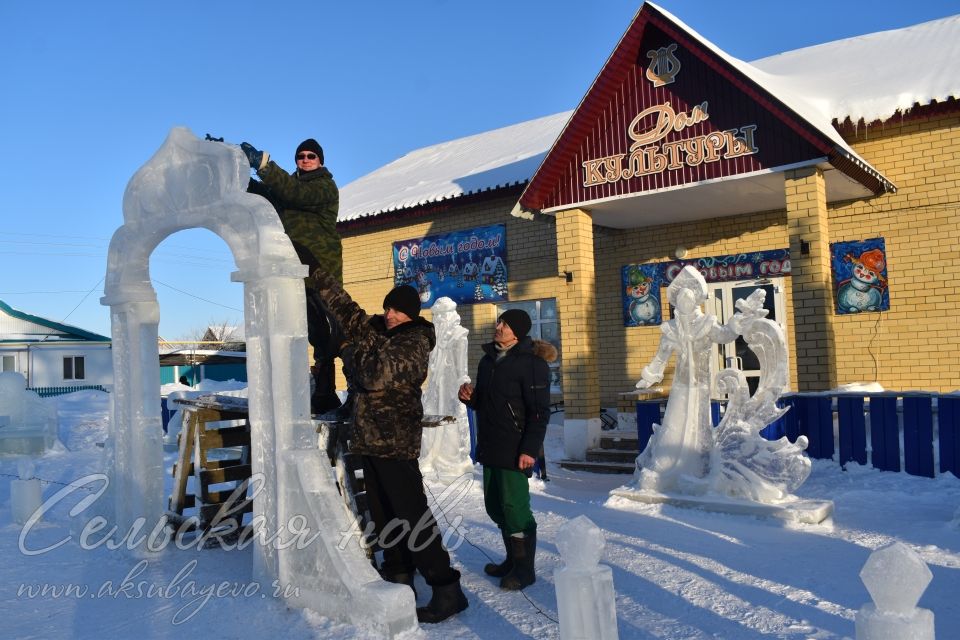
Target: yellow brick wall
{"x":531,"y":260}
{"x":625,"y":350}
{"x":916,"y":344}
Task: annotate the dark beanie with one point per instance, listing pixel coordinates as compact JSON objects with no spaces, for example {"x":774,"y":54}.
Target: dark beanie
{"x":310,"y":145}
{"x":403,"y":298}
{"x":518,"y":321}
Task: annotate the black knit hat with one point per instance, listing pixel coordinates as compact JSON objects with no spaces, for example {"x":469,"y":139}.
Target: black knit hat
{"x":403,"y":298}
{"x":310,"y":145}
{"x":518,"y":321}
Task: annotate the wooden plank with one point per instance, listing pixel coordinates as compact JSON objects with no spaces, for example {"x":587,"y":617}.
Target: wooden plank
{"x":235,"y":511}
{"x":183,"y":470}
{"x":228,"y":474}
{"x":948,"y":425}
{"x":816,"y":422}
{"x":884,"y":433}
{"x":918,"y":436}
{"x":225,"y":437}
{"x":852,"y":430}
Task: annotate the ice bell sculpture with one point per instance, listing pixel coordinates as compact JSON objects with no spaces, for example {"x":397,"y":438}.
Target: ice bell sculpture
{"x":896,"y":577}
{"x":686,"y":455}
{"x":445,"y":449}
{"x":585,"y":595}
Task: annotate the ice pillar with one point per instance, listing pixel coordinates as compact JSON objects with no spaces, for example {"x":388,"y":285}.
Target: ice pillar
{"x":585,"y":596}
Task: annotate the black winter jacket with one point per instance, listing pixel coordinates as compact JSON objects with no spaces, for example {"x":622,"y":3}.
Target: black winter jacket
{"x":511,"y":398}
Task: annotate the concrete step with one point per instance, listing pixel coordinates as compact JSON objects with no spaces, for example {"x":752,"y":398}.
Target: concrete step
{"x":611,"y":455}
{"x":597,"y":467}
{"x":624,"y":440}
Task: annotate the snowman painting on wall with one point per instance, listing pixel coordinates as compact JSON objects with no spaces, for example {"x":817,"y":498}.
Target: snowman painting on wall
{"x":641,"y":297}
{"x":860,"y":276}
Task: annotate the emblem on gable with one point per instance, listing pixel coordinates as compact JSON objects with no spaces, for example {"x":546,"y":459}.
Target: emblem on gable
{"x":664,"y":66}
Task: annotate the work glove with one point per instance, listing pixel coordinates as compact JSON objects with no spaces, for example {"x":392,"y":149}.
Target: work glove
{"x":254,"y":157}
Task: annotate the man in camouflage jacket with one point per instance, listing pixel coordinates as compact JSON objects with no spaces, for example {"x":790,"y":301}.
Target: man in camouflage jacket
{"x":390,"y":353}
{"x":307,"y":202}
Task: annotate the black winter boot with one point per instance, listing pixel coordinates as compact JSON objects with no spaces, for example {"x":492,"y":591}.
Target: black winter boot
{"x":502,"y":569}
{"x":522,"y":575}
{"x":447,"y":600}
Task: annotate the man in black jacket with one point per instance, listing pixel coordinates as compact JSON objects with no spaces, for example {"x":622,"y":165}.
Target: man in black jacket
{"x":390,"y":353}
{"x":512,"y":403}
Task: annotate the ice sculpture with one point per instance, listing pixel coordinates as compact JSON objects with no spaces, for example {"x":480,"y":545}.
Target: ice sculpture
{"x":686,"y":456}
{"x":192,"y":183}
{"x":445,"y":449}
{"x":896,"y":577}
{"x":26,"y":494}
{"x":28,"y":425}
{"x":585,"y":596}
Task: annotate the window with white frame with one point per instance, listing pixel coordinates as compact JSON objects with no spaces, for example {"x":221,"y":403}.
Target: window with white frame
{"x":73,"y":368}
{"x":9,"y":363}
{"x":544,"y":326}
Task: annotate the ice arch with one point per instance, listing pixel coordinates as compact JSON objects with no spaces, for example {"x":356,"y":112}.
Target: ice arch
{"x":191,"y":183}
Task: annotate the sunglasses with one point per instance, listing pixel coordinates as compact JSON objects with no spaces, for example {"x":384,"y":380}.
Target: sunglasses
{"x":306,"y":156}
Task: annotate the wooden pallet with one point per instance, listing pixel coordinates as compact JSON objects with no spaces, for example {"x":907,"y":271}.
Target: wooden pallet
{"x":213,"y":457}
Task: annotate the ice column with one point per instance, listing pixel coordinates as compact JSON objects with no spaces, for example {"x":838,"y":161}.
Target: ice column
{"x":25,"y":493}
{"x":896,"y":577}
{"x":585,"y":597}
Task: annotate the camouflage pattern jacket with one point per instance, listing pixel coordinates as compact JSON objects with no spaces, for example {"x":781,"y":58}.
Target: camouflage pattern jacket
{"x":307,"y":204}
{"x":389,"y":369}
{"x":512,"y":401}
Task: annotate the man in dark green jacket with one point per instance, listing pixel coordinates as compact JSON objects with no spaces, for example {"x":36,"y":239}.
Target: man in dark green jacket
{"x":512,"y":403}
{"x":390,"y":353}
{"x":307,"y":202}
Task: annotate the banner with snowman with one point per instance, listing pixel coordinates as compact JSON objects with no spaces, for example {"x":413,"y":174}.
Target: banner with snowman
{"x":641,"y":294}
{"x":860,"y":276}
{"x":466,"y":266}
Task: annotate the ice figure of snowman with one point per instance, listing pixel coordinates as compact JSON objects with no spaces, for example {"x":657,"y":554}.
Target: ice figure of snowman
{"x":863,"y":291}
{"x":643,"y":307}
{"x":445,"y":450}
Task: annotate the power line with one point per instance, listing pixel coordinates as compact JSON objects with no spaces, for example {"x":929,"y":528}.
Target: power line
{"x":197,"y":297}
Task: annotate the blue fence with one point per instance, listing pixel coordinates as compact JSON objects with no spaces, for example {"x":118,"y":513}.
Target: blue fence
{"x":47,"y":392}
{"x":918,"y":433}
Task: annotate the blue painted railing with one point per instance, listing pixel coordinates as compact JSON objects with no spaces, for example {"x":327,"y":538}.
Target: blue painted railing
{"x":47,"y":392}
{"x":918,"y":433}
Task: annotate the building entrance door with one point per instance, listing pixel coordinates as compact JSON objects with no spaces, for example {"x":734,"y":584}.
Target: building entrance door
{"x":722,"y":300}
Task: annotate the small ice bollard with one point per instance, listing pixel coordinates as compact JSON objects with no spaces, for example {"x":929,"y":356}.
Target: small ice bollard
{"x":25,"y":493}
{"x":585,"y":597}
{"x":896,"y":577}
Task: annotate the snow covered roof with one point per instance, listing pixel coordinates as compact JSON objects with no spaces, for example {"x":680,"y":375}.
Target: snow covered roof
{"x":873,"y":76}
{"x":499,"y":158}
{"x":822,"y":83}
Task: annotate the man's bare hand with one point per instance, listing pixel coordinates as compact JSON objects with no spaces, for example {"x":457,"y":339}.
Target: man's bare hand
{"x":525,"y":461}
{"x":466,"y":392}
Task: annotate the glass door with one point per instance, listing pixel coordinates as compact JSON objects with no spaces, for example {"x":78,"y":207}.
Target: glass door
{"x":722,"y":303}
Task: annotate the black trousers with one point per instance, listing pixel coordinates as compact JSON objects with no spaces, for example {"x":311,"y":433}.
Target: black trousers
{"x":324,"y":336}
{"x":404,"y":524}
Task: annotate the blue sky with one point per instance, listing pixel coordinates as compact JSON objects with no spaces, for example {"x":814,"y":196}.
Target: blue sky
{"x":90,"y":91}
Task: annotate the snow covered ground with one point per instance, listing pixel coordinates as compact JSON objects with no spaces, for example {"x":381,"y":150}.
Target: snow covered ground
{"x":678,"y":574}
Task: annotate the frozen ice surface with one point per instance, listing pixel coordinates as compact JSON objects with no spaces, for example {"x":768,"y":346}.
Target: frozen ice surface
{"x":191,"y":183}
{"x":686,"y":455}
{"x":29,"y":425}
{"x":445,"y":449}
{"x":585,"y":596}
{"x":896,"y":577}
